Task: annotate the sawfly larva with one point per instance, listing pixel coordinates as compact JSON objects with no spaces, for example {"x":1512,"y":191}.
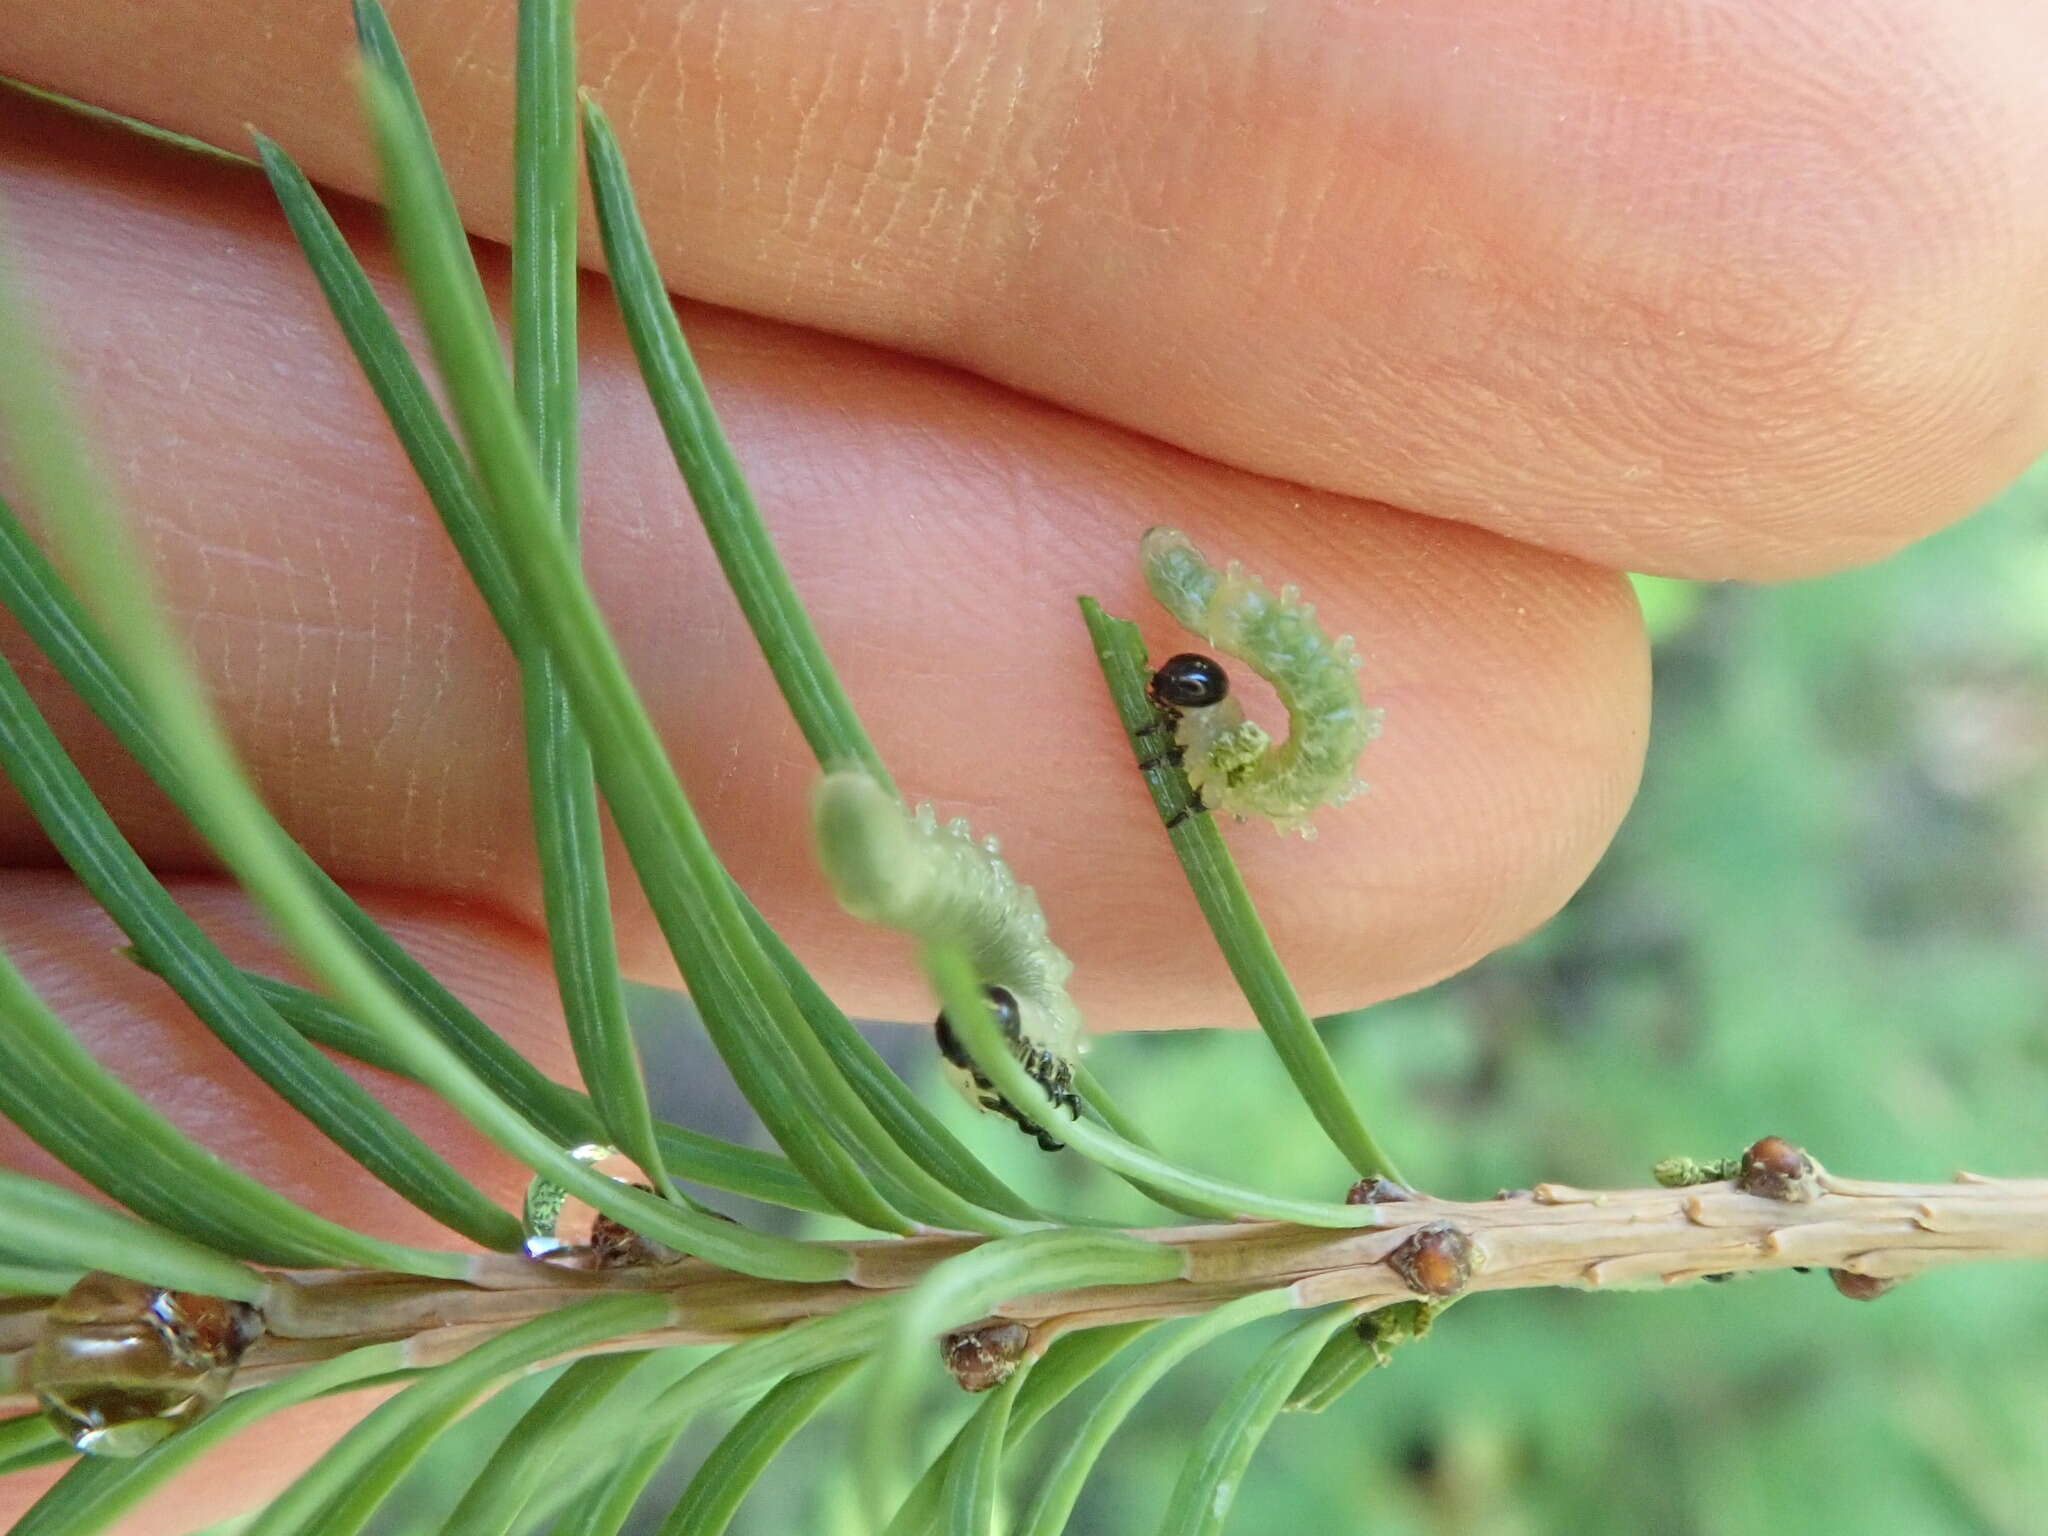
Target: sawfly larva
{"x":938,"y":883}
{"x":1233,"y":763}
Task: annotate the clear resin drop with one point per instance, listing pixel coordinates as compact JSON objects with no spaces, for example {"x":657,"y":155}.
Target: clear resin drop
{"x":121,"y":1365}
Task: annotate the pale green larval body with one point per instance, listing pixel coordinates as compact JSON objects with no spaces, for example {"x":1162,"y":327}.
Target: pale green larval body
{"x":937,"y":882}
{"x":1232,"y":762}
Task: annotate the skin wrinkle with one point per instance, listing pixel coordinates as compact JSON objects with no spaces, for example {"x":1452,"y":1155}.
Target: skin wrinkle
{"x":977,"y":165}
{"x":864,"y":161}
{"x":1047,"y":164}
{"x":756,"y":92}
{"x":810,"y":102}
{"x":880,"y":169}
{"x":1293,"y":224}
{"x":718,"y":137}
{"x":477,"y":56}
{"x":439,"y":795}
{"x":933,"y":96}
{"x":297,"y":676}
{"x":407,"y":670}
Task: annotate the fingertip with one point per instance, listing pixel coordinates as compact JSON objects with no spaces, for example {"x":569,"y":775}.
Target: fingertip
{"x":223,"y":1483}
{"x":1514,"y":685}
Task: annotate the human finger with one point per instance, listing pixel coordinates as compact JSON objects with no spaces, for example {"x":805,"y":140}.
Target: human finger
{"x":939,"y":527}
{"x":131,"y":1021}
{"x":1754,"y":290}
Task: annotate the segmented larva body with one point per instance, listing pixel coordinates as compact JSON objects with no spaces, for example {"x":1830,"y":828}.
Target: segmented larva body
{"x":937,"y":882}
{"x":1233,"y":763}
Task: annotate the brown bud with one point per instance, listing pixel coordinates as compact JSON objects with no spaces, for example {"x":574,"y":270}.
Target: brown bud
{"x":614,"y":1245}
{"x":983,"y":1355}
{"x":1378,"y":1191}
{"x":1436,"y":1260}
{"x":1860,"y":1287}
{"x":1774,"y":1169}
{"x":209,"y":1326}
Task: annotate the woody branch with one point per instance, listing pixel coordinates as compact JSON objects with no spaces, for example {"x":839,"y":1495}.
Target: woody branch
{"x":1780,"y":1211}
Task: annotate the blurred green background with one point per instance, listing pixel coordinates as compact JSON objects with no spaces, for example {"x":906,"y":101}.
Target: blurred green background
{"x":1824,"y":918}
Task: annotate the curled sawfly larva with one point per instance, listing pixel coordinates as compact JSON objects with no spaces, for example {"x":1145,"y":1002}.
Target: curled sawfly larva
{"x":1051,"y":1071}
{"x":937,"y":882}
{"x":1233,"y":763}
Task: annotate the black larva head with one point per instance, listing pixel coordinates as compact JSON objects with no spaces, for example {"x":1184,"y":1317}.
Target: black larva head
{"x":1003,"y":1004}
{"x":1189,"y":681}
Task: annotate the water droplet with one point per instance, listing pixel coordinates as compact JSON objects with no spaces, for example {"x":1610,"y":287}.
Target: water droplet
{"x":542,"y":1216}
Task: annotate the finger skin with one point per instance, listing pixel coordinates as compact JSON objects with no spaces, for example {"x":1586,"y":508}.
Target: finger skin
{"x":1710,"y":289}
{"x":940,"y":528}
{"x":230,"y":1481}
{"x":137,"y":1028}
